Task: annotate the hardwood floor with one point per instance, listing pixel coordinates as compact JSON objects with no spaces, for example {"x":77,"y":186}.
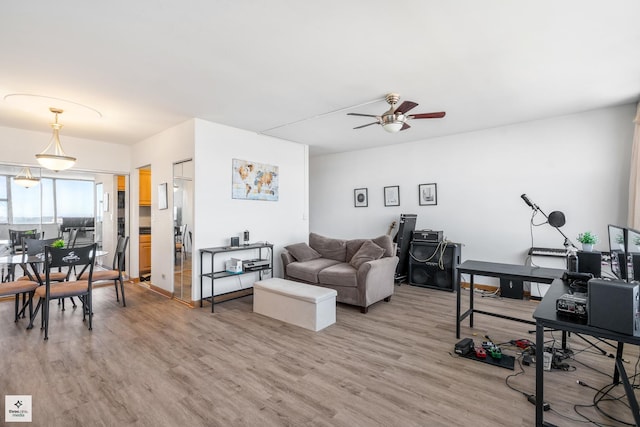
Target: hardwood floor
{"x":159,"y":363}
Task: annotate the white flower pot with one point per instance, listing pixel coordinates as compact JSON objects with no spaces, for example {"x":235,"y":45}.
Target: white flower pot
{"x":587,"y":247}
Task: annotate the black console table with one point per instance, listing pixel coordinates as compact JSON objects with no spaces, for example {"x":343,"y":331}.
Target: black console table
{"x":213,"y":274}
{"x":547,"y":317}
{"x":504,"y":271}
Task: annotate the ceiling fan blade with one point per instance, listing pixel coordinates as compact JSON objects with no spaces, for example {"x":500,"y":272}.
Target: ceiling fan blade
{"x":439,"y":115}
{"x":405,"y":106}
{"x":368,"y":124}
{"x":405,"y":126}
{"x":361,"y":115}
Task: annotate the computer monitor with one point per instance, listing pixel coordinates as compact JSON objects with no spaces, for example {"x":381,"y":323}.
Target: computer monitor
{"x":633,"y":252}
{"x":618,"y":251}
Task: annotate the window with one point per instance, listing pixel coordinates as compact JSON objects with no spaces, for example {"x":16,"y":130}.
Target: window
{"x":74,"y":198}
{"x":4,"y":213}
{"x":25,"y":203}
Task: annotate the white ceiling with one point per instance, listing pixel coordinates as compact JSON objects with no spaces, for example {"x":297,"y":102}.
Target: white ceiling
{"x":280,"y":67}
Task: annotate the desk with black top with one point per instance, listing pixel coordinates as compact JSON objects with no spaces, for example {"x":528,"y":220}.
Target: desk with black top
{"x":503,"y":271}
{"x":547,"y":317}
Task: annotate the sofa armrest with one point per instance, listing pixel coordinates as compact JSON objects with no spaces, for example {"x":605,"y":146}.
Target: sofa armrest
{"x":287,"y":259}
{"x":376,"y":279}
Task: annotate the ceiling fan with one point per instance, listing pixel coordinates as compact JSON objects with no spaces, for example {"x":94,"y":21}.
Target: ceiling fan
{"x":395,"y":119}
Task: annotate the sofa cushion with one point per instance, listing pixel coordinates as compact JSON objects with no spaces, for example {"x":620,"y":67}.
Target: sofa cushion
{"x":352,"y":247}
{"x":368,"y":251}
{"x":302,"y":252}
{"x":335,"y":249}
{"x":308,"y":271}
{"x":386,"y":243}
{"x":341,"y":274}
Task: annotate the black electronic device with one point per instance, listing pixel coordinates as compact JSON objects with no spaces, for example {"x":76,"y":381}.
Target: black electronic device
{"x":615,"y":305}
{"x":633,"y":253}
{"x":464,"y":347}
{"x":254,"y":264}
{"x":433,"y":265}
{"x":430,"y":236}
{"x":573,"y":305}
{"x":590,"y":262}
{"x":511,"y":288}
{"x":235,"y":241}
{"x":403,"y":240}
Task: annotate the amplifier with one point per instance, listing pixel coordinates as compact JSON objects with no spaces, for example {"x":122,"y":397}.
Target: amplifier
{"x":572,"y":305}
{"x":255,"y":264}
{"x":429,"y":236}
{"x":615,"y":305}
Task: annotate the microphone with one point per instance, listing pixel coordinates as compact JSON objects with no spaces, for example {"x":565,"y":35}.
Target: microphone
{"x":529,"y":202}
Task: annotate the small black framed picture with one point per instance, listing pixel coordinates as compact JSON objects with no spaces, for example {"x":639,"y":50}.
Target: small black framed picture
{"x":360,"y":198}
{"x":392,"y":195}
{"x":428,"y":194}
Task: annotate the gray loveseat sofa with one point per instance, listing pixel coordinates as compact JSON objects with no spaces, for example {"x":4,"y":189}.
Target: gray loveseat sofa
{"x":360,"y":270}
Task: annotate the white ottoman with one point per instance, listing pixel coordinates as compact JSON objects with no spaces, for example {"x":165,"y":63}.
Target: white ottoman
{"x":308,"y":306}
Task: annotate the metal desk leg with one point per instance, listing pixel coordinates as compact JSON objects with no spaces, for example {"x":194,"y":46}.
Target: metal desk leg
{"x":471,"y":301}
{"x":539,"y":373}
{"x":633,"y":403}
{"x":616,"y":372}
{"x":458,"y":306}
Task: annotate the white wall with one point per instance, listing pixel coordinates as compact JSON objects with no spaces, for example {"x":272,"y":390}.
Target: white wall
{"x":218,"y":216}
{"x":578,"y":164}
{"x":160,"y":151}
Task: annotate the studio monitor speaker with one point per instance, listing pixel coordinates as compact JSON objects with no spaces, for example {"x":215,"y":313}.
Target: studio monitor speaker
{"x":590,"y":262}
{"x":432,"y":267}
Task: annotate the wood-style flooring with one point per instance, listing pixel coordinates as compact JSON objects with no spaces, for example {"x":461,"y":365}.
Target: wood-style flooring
{"x":160,"y":363}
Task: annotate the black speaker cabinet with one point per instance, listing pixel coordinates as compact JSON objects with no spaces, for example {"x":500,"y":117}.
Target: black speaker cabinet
{"x":431,"y":267}
{"x":403,"y":240}
{"x":614,"y":305}
{"x":510,"y":288}
{"x":590,"y":262}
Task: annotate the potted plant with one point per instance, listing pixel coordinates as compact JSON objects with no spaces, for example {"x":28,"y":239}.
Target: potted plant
{"x":588,"y":239}
{"x":58,"y":243}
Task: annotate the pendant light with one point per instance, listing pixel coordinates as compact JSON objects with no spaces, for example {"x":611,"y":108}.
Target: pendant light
{"x":25,"y":179}
{"x":58,"y":160}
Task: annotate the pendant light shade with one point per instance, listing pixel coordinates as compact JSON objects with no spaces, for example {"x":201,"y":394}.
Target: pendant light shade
{"x":53,"y":157}
{"x":25,"y":179}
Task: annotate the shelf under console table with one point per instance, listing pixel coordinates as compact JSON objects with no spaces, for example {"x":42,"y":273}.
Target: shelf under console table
{"x":214,"y":275}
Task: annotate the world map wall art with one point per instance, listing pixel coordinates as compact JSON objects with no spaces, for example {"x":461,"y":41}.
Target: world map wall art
{"x":254,"y":181}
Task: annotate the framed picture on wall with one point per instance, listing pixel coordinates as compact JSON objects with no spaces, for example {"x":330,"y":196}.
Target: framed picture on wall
{"x":360,"y":198}
{"x":392,"y":195}
{"x":427,"y":194}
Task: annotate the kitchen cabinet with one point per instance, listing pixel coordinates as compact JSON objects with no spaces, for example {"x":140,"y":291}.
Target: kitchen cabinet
{"x":145,"y":187}
{"x":145,"y":253}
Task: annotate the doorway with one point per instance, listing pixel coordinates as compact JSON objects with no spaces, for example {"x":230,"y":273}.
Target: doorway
{"x":183,"y":229}
{"x":144,"y":222}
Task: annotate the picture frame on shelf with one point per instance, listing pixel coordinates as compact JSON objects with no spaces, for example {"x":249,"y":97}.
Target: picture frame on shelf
{"x":360,"y":198}
{"x":428,"y":194}
{"x":392,"y":195}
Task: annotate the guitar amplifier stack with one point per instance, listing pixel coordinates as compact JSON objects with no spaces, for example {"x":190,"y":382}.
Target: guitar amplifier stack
{"x":434,"y":265}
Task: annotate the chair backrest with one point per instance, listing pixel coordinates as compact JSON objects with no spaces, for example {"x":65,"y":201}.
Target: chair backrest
{"x":69,"y":257}
{"x":16,"y":236}
{"x":36,"y":246}
{"x":73,"y":236}
{"x":118,"y":258}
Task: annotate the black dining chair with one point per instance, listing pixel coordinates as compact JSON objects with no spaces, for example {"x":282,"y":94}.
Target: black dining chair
{"x":82,"y":258}
{"x":16,"y":248}
{"x":26,"y":288}
{"x":117,"y":269}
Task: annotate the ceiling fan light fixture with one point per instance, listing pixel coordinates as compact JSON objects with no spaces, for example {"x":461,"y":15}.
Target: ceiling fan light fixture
{"x":25,"y":179}
{"x":392,"y":123}
{"x":58,"y":160}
